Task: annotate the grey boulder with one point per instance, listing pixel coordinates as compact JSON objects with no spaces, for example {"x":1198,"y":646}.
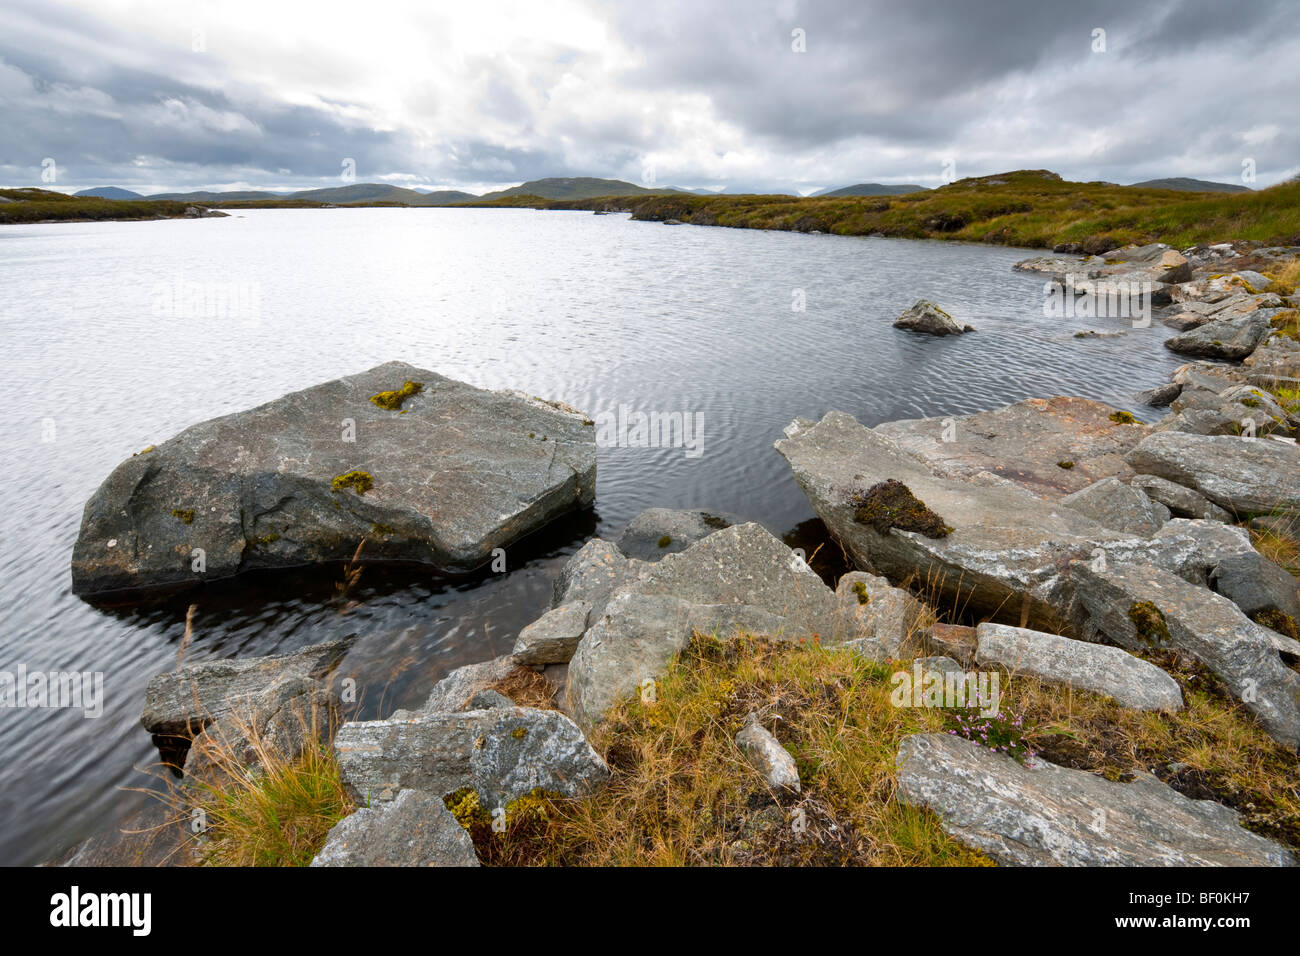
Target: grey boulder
{"x":767,"y":755}
{"x":553,"y":637}
{"x":1116,"y":505}
{"x":656,"y":532}
{"x":1242,"y":475}
{"x":925,"y":316}
{"x":414,"y":829}
{"x":1222,"y":338}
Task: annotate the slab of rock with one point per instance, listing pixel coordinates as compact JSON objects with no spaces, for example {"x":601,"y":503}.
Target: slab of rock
{"x":453,"y":473}
{"x":955,"y":641}
{"x":887,"y":618}
{"x":1119,"y":604}
{"x":454,"y":691}
{"x":768,"y":756}
{"x":1093,"y":667}
{"x":1025,"y":442}
{"x":502,"y":754}
{"x":1241,"y":475}
{"x":1116,"y":505}
{"x":656,"y":532}
{"x":1223,"y":338}
{"x":181,"y":703}
{"x":1181,"y":501}
{"x":925,"y":316}
{"x":1008,"y":548}
{"x":553,"y":637}
{"x":1045,"y":815}
{"x":1276,"y":360}
{"x":738,"y":579}
{"x":414,"y":829}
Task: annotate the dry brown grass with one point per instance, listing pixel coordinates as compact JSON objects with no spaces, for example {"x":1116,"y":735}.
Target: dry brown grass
{"x":527,"y":688}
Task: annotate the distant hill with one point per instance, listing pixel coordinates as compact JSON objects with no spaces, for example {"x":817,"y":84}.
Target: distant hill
{"x":1182,"y":184}
{"x":575,"y":187}
{"x":109,"y":192}
{"x":342,"y":195}
{"x":871,"y":189}
{"x":217,"y":196}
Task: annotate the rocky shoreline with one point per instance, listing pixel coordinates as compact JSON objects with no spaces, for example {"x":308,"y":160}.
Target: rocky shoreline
{"x":1057,"y":538}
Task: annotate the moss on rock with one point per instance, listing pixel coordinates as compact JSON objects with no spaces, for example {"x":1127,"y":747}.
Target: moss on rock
{"x":392,"y":400}
{"x":358,"y":481}
{"x":891,"y":504}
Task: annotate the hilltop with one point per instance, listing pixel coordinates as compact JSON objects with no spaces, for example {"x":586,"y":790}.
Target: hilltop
{"x":1183,"y":184}
{"x":871,"y":189}
{"x":573,"y":187}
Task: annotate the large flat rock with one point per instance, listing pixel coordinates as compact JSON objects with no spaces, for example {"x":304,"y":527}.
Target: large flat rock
{"x":1045,"y":815}
{"x":454,"y":473}
{"x":1243,"y":475}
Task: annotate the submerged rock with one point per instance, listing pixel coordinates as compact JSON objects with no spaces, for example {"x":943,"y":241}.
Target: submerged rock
{"x":656,"y":532}
{"x":423,"y":468}
{"x":1040,"y":814}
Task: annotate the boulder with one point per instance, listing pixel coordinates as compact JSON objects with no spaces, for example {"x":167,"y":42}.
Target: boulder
{"x":1092,"y":667}
{"x":1182,"y":502}
{"x":1116,"y":505}
{"x":1223,"y":338}
{"x":1040,"y":814}
{"x":768,"y":756}
{"x":925,"y":316}
{"x":454,"y":691}
{"x":593,"y":574}
{"x":181,"y":703}
{"x":553,"y":637}
{"x":1277,"y":360}
{"x":955,"y":641}
{"x":1139,"y":606}
{"x":502,"y":753}
{"x":1160,"y":396}
{"x":441,"y":474}
{"x":1244,"y":476}
{"x":414,"y":829}
{"x":656,"y":532}
{"x":1025,"y":442}
{"x":738,"y":579}
{"x":886,"y":620}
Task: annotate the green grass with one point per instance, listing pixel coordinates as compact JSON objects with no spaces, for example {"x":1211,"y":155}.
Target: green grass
{"x":43,"y":205}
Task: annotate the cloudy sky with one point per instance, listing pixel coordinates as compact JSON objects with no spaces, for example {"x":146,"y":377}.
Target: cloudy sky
{"x":750,"y":94}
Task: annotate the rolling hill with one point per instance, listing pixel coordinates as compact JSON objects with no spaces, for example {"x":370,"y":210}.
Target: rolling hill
{"x":871,"y":189}
{"x":109,"y":192}
{"x":574,"y":187}
{"x":1183,"y":184}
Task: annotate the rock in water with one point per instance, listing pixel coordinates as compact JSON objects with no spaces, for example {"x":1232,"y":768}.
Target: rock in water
{"x":925,"y":316}
{"x":1045,"y":815}
{"x":422,"y":467}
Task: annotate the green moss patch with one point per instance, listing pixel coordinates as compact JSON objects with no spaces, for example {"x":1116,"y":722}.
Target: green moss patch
{"x":358,"y":481}
{"x":1150,"y":623}
{"x":891,"y":504}
{"x":184,"y":514}
{"x":1124,"y":418}
{"x":393,"y":400}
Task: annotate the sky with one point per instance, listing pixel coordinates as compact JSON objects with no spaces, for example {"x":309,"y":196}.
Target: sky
{"x":750,"y":95}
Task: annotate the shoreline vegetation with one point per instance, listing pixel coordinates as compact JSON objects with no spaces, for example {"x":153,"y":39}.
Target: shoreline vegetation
{"x":1024,"y":208}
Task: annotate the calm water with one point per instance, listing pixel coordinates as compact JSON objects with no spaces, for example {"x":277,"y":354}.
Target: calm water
{"x":595,"y":310}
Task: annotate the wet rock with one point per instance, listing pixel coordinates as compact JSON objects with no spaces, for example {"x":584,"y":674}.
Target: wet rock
{"x":656,"y":532}
{"x":925,"y":316}
{"x":502,"y":754}
{"x":1045,"y":815}
{"x":414,"y":829}
{"x":1092,"y":667}
{"x":181,"y":703}
{"x":1139,"y":606}
{"x":768,"y":756}
{"x":1244,"y":476}
{"x":553,"y":637}
{"x":445,"y":478}
{"x":1116,"y":505}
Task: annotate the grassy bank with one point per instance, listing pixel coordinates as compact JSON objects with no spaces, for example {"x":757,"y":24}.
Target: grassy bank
{"x":1027,"y":208}
{"x":43,"y":205}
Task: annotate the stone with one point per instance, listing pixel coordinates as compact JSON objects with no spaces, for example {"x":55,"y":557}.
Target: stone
{"x":452,"y":474}
{"x":1160,"y":396}
{"x":593,"y":574}
{"x":181,"y":703}
{"x":890,"y":618}
{"x":1116,"y":604}
{"x":1182,"y":502}
{"x":738,"y":579}
{"x":656,"y":532}
{"x":955,"y":641}
{"x":455,"y":690}
{"x":1243,"y":476}
{"x":1116,"y":505}
{"x":1025,"y":442}
{"x":1040,"y":814}
{"x":1092,"y":667}
{"x":413,"y":829}
{"x":553,"y":637}
{"x":487,"y":699}
{"x":768,"y":756}
{"x":1222,"y":338}
{"x":925,"y":316}
{"x":502,"y":754}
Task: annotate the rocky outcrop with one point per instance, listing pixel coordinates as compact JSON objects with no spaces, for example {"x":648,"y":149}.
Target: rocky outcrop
{"x":423,"y":468}
{"x":594,"y":574}
{"x":414,"y":829}
{"x":1080,"y":664}
{"x":1182,"y":502}
{"x":1138,"y":606}
{"x":1040,"y":814}
{"x":1222,"y":338}
{"x":1244,"y":476}
{"x":502,"y":754}
{"x":1116,"y":505}
{"x":925,"y":316}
